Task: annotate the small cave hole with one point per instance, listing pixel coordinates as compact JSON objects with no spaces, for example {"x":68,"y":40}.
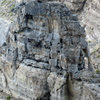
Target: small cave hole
{"x":28,"y":16}
{"x":61,"y":40}
{"x":39,"y":1}
{"x":38,"y":44}
{"x":15,"y":38}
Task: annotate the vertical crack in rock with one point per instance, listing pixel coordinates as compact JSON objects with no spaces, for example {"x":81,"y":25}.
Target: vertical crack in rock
{"x":70,"y":88}
{"x":44,"y":51}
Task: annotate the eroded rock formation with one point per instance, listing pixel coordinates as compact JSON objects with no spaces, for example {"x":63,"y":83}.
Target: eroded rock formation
{"x":44,"y":55}
{"x":45,"y":47}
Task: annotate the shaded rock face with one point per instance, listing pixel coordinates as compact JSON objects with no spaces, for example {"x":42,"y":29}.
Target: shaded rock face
{"x":74,"y":5}
{"x":45,"y":48}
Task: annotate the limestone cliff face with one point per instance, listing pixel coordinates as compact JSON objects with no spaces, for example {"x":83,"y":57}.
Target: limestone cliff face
{"x":6,"y":17}
{"x":86,"y":10}
{"x":45,"y":48}
{"x":3,"y":33}
{"x":89,"y":16}
{"x":43,"y":55}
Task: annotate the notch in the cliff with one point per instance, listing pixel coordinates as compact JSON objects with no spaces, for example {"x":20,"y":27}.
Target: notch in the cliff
{"x":39,"y":1}
{"x":27,"y":17}
{"x":4,"y":44}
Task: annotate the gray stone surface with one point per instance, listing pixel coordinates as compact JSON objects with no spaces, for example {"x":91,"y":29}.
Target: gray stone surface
{"x":41,"y":48}
{"x":91,"y":21}
{"x":89,"y":17}
{"x":44,"y":55}
{"x":4,"y":26}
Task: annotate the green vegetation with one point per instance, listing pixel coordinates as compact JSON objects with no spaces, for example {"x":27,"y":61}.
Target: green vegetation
{"x":89,"y":41}
{"x":8,"y":98}
{"x":12,"y":6}
{"x":97,"y":71}
{"x":3,"y":2}
{"x":98,"y":56}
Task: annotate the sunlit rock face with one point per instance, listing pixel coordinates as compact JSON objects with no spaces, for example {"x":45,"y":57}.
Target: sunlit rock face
{"x":44,"y":52}
{"x":90,"y":18}
{"x":4,"y":26}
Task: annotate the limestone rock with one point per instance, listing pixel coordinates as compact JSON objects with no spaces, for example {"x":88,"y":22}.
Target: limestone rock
{"x":92,"y":27}
{"x":43,"y":58}
{"x":3,"y":32}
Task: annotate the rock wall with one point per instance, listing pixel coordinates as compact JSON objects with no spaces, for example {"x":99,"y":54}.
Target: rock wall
{"x":44,"y":50}
{"x":44,"y":55}
{"x":3,"y":33}
{"x":90,"y":18}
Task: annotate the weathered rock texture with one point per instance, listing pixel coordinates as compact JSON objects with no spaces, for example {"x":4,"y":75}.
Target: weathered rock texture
{"x":45,"y":47}
{"x":88,"y":12}
{"x":43,"y":57}
{"x":6,"y":8}
{"x":89,"y":17}
{"x":3,"y":33}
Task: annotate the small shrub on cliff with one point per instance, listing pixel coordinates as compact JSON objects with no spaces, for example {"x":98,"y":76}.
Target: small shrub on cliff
{"x":8,"y":98}
{"x":97,"y":71}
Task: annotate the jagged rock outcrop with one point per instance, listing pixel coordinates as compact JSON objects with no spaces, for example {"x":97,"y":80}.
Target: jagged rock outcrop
{"x":45,"y":48}
{"x":90,"y":18}
{"x":43,"y":57}
{"x":74,"y":5}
